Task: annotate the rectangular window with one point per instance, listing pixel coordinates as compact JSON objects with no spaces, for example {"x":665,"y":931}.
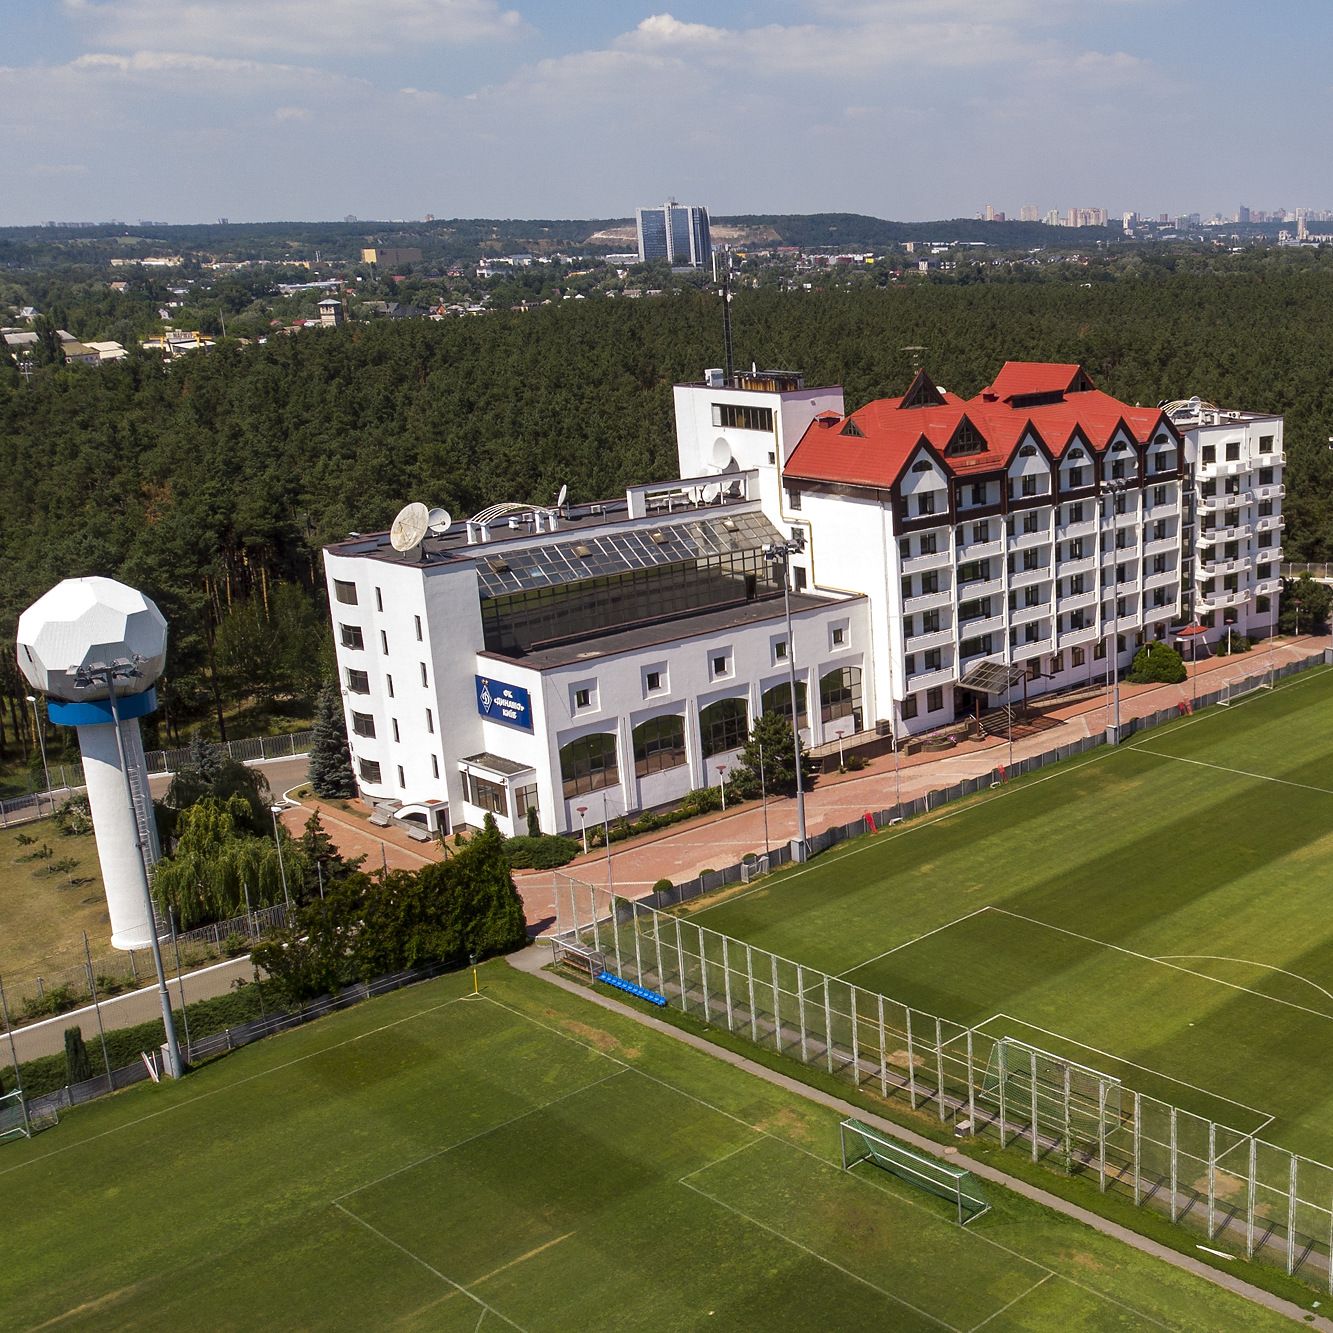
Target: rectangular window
{"x":388,"y":681}
{"x":379,"y":599}
{"x":583,"y":699}
{"x":1076,"y":513}
{"x":525,"y":799}
{"x":925,"y":503}
{"x":435,"y":766}
{"x":978,"y":496}
{"x":721,"y":664}
{"x":905,"y":548}
{"x":1030,"y":520}
{"x":487,"y":795}
{"x":430,"y":721}
{"x":363,"y":724}
{"x":1208,"y":454}
{"x":934,"y":700}
{"x":1076,"y":549}
{"x":1075,"y":477}
{"x":344,"y":592}
{"x":793,"y":502}
{"x":930,"y":582}
{"x":1233,"y":451}
{"x":780,"y":652}
{"x":370,"y":770}
{"x":929,"y":543}
{"x":384,"y":643}
{"x":402,"y":779}
{"x":908,"y":709}
{"x":798,"y":580}
{"x":394,"y":722}
{"x":417,"y":620}
{"x":838,"y":638}
{"x":358,"y":682}
{"x":351,"y":636}
{"x":424,"y":681}
{"x":934,"y":659}
{"x":1028,"y":486}
{"x":1077,"y":656}
{"x":659,"y":744}
{"x":653,"y":681}
{"x":1265,"y":444}
{"x":1032,"y":595}
{"x":1032,"y":560}
{"x":734,"y":416}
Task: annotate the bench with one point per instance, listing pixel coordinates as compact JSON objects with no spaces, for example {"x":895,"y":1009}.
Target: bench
{"x":380,"y":818}
{"x":418,"y":834}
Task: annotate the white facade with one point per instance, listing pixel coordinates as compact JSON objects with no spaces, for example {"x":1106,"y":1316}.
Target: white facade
{"x":1233,"y":525}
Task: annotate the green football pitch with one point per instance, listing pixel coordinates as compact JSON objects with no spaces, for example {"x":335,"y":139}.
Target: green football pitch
{"x":1161,"y":911}
{"x":522,"y":1159}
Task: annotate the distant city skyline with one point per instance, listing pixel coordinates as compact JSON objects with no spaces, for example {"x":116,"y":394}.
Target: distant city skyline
{"x":903,"y":109}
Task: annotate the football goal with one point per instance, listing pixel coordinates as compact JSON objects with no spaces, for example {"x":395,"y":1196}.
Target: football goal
{"x":860,"y":1143}
{"x":1237,"y":692}
{"x":13,"y":1117}
{"x":1060,"y":1100}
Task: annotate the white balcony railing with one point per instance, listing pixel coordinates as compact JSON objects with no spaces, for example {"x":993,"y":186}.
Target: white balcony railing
{"x":980,"y":550}
{"x":928,"y":601}
{"x":1024,"y":578}
{"x":920,"y":564}
{"x":930,"y":680}
{"x":928,"y":639}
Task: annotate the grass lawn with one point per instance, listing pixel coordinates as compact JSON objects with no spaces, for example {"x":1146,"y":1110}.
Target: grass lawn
{"x":43,"y":915}
{"x":1158,"y":911}
{"x":522,"y":1159}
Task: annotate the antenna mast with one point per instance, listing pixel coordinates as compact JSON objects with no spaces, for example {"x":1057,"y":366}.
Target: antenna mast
{"x":726,"y":320}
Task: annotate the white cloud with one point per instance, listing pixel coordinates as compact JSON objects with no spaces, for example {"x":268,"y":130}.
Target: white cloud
{"x":306,"y":28}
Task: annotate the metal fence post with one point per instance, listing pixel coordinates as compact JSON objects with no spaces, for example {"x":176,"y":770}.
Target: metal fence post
{"x":971,"y":1086}
{"x":1069,"y":1147}
{"x":939,"y":1067}
{"x":1175,"y":1209}
{"x":911,"y":1060}
{"x":777,"y":1005}
{"x":726,"y":983}
{"x":856,"y":1042}
{"x":1212,"y":1177}
{"x":657,"y":949}
{"x":1033,"y":1128}
{"x":1291,"y":1218}
{"x":828,"y":1026}
{"x":615,"y":931}
{"x":800,"y":1009}
{"x":1251,"y":1186}
{"x":596,"y":929}
{"x":703,"y":974}
{"x":883,"y":1053}
{"x":999,"y":1056}
{"x":749,"y":992}
{"x":680,"y":962}
{"x":638,"y":958}
{"x":1138,"y":1130}
{"x":1101,"y":1134}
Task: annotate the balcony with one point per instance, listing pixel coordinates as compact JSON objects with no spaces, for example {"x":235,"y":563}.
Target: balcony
{"x":924,"y":642}
{"x":919,"y":564}
{"x":1231,"y":469}
{"x":993,"y":587}
{"x":1022,"y":541}
{"x":1021,"y":615}
{"x":1238,"y":532}
{"x":1085,"y":527}
{"x":930,"y":680}
{"x":1164,"y":579}
{"x":928,"y":601}
{"x":980,"y":550}
{"x":1072,"y":638}
{"x":1267,"y":588}
{"x":1161,"y":545}
{"x":1025,"y":652}
{"x":1167,"y":509}
{"x":1081,"y":564}
{"x":972,"y":629}
{"x":1076,"y":601}
{"x":1273,"y":491}
{"x":1270,"y":523}
{"x":1209,"y":569}
{"x":1128,"y":519}
{"x":1225,"y":500}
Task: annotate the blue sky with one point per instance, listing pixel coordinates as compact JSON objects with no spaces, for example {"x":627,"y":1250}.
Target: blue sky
{"x":187,"y":110}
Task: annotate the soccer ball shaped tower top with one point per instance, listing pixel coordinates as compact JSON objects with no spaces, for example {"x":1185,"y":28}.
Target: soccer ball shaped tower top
{"x":94,"y":648}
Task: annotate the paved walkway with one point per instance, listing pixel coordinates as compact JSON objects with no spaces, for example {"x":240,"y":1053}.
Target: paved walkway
{"x":534,"y":961}
{"x":714,"y":841}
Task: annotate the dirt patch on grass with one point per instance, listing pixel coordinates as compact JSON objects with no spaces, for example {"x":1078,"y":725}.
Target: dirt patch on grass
{"x":1085,"y":1262}
{"x":785,"y":1123}
{"x":599,"y":1039}
{"x":901,"y":1060}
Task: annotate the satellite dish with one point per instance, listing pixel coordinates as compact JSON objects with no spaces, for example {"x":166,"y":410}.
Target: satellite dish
{"x":721,"y":454}
{"x":409,"y":527}
{"x":711,"y":493}
{"x":562,"y":497}
{"x":439,"y":521}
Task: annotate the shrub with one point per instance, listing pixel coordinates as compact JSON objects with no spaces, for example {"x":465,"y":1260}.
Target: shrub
{"x":1234,"y":643}
{"x":234,"y":945}
{"x":1157,"y":664}
{"x":546,"y":851}
{"x":663,"y":886}
{"x":855,"y":763}
{"x":534,"y":823}
{"x":77,"y":1065}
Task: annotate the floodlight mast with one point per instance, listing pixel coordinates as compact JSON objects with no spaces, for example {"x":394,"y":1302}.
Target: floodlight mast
{"x":1112,"y":490}
{"x":106,"y":674}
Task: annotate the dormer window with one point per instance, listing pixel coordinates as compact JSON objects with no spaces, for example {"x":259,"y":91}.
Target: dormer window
{"x":966,"y":440}
{"x":1028,"y":451}
{"x":851,"y":428}
{"x":923,"y":465}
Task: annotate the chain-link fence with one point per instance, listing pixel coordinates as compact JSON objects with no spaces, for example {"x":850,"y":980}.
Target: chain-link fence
{"x":1230,"y":1186}
{"x":36,"y":997}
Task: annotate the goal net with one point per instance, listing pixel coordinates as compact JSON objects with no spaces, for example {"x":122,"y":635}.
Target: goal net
{"x":13,"y":1117}
{"x":860,"y":1143}
{"x":1068,"y":1104}
{"x":1237,"y":692}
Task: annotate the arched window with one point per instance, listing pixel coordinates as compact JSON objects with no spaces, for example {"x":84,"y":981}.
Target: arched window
{"x":840,"y":695}
{"x":778,"y":700}
{"x":659,"y":744}
{"x":723,"y":726}
{"x":589,"y":764}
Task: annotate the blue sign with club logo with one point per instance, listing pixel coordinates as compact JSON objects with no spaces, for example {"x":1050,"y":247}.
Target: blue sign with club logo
{"x":510,"y":704}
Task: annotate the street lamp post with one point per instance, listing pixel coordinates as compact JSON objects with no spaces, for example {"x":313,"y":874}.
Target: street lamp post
{"x":99,"y":674}
{"x":583,"y":827}
{"x":780,"y":553}
{"x":842,"y":763}
{"x":1117,"y":486}
{"x":275,"y":811}
{"x":722,"y":785}
{"x":41,"y":741}
{"x":763,"y":796}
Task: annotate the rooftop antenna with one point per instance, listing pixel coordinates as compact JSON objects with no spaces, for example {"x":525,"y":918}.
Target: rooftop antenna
{"x":561,"y":498}
{"x":409,"y":527}
{"x":915,"y":353}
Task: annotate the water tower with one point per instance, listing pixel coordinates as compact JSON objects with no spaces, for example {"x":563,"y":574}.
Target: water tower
{"x":95,"y":647}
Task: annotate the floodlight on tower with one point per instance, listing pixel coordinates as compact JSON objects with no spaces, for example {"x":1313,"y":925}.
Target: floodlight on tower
{"x":94,"y":648}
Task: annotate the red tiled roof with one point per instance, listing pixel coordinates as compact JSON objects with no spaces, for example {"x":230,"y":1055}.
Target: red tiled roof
{"x":890,"y":433}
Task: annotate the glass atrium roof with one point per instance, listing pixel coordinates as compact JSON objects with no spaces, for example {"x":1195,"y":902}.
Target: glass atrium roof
{"x":550,"y":564}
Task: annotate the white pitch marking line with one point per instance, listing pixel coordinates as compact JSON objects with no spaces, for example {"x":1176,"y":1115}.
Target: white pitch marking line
{"x":856,"y":967}
{"x":1238,"y":772}
{"x":416,"y":1258}
{"x":814,"y":1254}
{"x":1148,"y":958}
{"x":1250,"y":962}
{"x":995,"y":1314}
{"x":1133,"y":1064}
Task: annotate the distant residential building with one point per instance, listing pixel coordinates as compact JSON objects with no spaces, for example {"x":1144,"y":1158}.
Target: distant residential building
{"x":390,"y":256}
{"x":108,"y":351}
{"x":330,"y":312}
{"x":678,"y":233}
